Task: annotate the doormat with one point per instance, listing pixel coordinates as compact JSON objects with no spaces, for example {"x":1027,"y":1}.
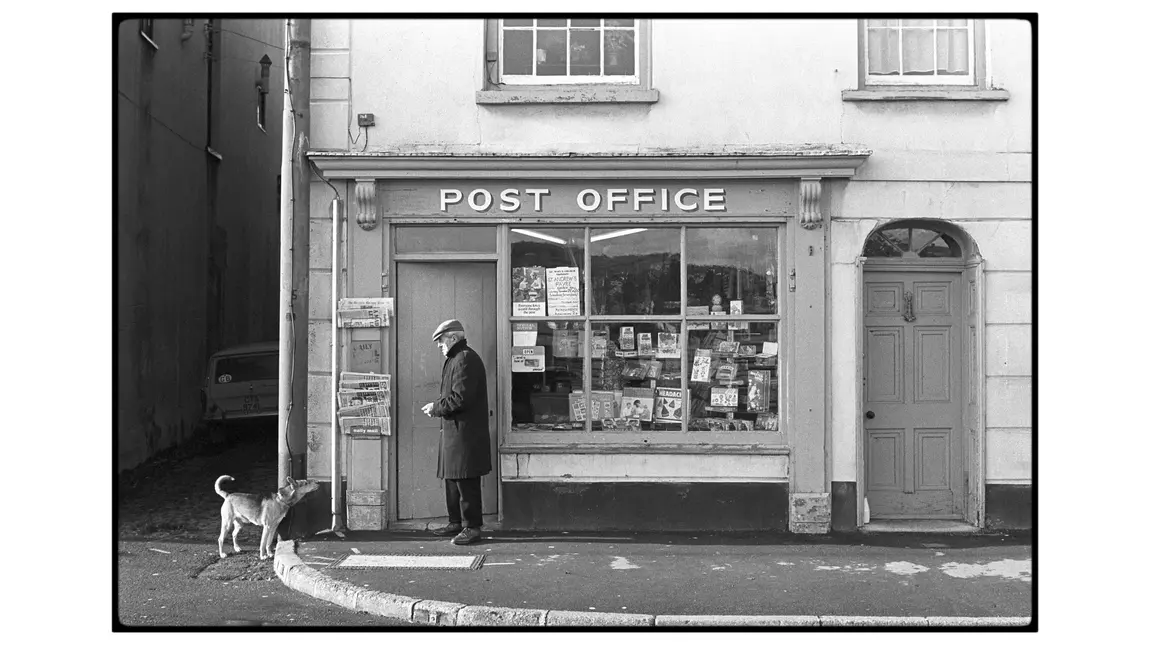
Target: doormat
{"x":408,"y":562}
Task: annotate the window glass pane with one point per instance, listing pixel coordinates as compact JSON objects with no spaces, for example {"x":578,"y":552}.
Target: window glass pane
{"x":537,"y":292}
{"x":248,"y":367}
{"x":882,"y":51}
{"x":635,"y":271}
{"x":620,"y":22}
{"x":619,"y":52}
{"x":953,"y":52}
{"x":952,"y":23}
{"x":919,"y":238}
{"x":918,"y":51}
{"x":551,"y":53}
{"x":942,"y":247}
{"x":885,"y":22}
{"x":413,"y":239}
{"x":636,"y":373}
{"x":547,"y":376}
{"x":517,"y":22}
{"x":734,"y":377}
{"x":585,"y":52}
{"x":586,"y":23}
{"x":918,"y":23}
{"x":517,"y":52}
{"x":732,"y":266}
{"x":552,"y":22}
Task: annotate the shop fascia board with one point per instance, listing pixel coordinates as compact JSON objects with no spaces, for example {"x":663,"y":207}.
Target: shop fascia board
{"x":820,"y":162}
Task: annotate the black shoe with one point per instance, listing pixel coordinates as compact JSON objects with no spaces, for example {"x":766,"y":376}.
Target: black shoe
{"x":448,"y":530}
{"x":468,"y":536}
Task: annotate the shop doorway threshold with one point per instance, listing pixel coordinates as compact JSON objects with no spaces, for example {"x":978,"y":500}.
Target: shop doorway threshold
{"x":426,"y":524}
{"x":918,"y":526}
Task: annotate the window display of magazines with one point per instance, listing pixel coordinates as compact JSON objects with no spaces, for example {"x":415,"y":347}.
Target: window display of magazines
{"x":364,"y":403}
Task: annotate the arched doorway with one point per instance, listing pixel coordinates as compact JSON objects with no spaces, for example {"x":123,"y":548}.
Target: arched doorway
{"x":921,"y":432}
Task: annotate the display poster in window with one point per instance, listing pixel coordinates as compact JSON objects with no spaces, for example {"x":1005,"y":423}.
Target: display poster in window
{"x":523,"y":333}
{"x":697,"y":310}
{"x":701,"y":367}
{"x":724,"y":396}
{"x":758,"y":390}
{"x":563,"y":291}
{"x":528,"y":291}
{"x":527,"y":359}
{"x":737,"y":310}
{"x":770,"y":349}
{"x":637,"y":403}
{"x":626,"y":338}
{"x":565,"y":343}
{"x":668,"y":405}
{"x":645,"y":349}
{"x":668,"y":347}
{"x":578,"y":406}
{"x":602,"y":404}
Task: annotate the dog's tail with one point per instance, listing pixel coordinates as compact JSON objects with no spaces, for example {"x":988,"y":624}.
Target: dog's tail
{"x":223,"y":494}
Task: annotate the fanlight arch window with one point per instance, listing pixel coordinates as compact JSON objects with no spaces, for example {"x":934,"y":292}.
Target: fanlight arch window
{"x":911,"y":240}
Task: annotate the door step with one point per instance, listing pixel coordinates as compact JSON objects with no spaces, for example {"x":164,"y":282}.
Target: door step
{"x":909,"y":526}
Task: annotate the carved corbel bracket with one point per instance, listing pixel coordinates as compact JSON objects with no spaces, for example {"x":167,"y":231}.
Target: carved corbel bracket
{"x":366,"y":214}
{"x":810,"y":215}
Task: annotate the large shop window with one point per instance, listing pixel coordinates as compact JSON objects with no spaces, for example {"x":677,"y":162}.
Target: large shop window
{"x":604,"y":340}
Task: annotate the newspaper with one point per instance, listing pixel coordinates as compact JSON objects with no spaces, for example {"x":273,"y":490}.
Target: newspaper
{"x":354,"y":398}
{"x":375,"y":409}
{"x":365,"y":425}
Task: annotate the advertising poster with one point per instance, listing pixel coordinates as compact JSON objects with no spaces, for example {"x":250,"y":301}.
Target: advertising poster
{"x":523,"y":333}
{"x":563,"y":291}
{"x":528,"y":291}
{"x":527,"y":359}
{"x":668,"y":405}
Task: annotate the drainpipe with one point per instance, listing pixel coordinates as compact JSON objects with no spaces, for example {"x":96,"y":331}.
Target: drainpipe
{"x":295,"y":201}
{"x":337,"y":514}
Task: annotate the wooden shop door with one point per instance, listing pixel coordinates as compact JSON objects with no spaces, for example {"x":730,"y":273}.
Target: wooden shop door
{"x":913,"y":395}
{"x":429,"y":293}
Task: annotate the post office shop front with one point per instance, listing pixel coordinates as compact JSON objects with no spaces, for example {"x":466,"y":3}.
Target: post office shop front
{"x":653,"y":327}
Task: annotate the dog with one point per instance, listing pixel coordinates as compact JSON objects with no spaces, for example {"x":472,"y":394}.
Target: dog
{"x":241,"y":509}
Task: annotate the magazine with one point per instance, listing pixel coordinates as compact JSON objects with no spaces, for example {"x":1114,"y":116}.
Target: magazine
{"x":724,"y":396}
{"x":701,"y":366}
{"x":668,"y":405}
{"x":645,"y":344}
{"x":668,"y":345}
{"x":577,"y":405}
{"x":637,"y":403}
{"x":758,"y":390}
{"x":626,"y":338}
{"x":602,"y":404}
{"x":737,"y":310}
{"x":654,"y":368}
{"x":635,"y":369}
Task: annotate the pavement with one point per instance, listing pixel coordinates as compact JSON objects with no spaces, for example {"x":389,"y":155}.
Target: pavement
{"x":674,"y":579}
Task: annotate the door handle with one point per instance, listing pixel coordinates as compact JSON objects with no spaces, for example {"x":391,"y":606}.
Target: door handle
{"x":870,"y":414}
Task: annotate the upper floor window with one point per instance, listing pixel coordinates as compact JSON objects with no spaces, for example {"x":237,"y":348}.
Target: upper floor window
{"x":546,"y":51}
{"x":920,"y":52}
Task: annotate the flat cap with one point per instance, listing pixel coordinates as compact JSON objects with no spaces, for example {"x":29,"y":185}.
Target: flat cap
{"x":450,"y":325}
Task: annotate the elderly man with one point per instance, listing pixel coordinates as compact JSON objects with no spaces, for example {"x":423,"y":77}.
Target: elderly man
{"x":464,"y":442}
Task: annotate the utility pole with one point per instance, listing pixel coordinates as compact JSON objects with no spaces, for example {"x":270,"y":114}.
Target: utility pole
{"x":294,"y":241}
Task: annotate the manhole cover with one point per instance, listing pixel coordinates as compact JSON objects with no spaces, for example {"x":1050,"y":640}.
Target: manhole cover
{"x":409,"y":562}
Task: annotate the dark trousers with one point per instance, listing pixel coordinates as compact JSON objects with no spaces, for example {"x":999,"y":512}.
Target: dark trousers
{"x":464,"y":502}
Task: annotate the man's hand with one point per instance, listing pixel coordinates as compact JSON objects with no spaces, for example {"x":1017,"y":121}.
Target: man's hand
{"x":427,"y":409}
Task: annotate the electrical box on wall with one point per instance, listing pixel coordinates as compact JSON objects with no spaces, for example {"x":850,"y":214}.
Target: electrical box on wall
{"x":366,"y":119}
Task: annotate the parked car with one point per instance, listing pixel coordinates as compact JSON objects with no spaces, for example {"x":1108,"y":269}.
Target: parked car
{"x":242,"y":383}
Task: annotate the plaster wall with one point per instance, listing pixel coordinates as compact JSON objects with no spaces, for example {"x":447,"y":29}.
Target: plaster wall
{"x":198,"y":237}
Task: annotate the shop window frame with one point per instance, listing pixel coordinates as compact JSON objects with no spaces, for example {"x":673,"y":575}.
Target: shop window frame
{"x":684,"y":435}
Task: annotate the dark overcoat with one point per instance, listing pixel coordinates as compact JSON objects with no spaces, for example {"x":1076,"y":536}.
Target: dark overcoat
{"x":465,"y":440}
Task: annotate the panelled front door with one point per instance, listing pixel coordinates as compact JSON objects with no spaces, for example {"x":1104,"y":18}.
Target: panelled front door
{"x":913,"y":395}
{"x":428,"y":293}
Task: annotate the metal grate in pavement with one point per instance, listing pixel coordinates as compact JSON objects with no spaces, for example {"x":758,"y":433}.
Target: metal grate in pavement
{"x":409,"y":562}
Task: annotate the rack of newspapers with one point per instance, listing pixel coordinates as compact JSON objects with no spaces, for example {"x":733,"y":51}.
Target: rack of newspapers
{"x":364,"y":403}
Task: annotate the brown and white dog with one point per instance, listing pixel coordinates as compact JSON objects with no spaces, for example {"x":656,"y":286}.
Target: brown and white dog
{"x":267,"y":511}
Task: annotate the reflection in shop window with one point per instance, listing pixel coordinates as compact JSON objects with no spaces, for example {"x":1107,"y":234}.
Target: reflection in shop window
{"x":635,"y":271}
{"x":732,"y":269}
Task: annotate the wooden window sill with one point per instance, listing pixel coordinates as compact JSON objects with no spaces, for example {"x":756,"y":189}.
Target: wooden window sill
{"x":912,"y":94}
{"x":567,"y":95}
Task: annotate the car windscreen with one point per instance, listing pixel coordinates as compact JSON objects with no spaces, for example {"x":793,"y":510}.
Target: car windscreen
{"x":247,"y":367}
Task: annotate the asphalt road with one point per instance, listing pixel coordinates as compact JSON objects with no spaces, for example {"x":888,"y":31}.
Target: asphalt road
{"x":167,"y":570}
